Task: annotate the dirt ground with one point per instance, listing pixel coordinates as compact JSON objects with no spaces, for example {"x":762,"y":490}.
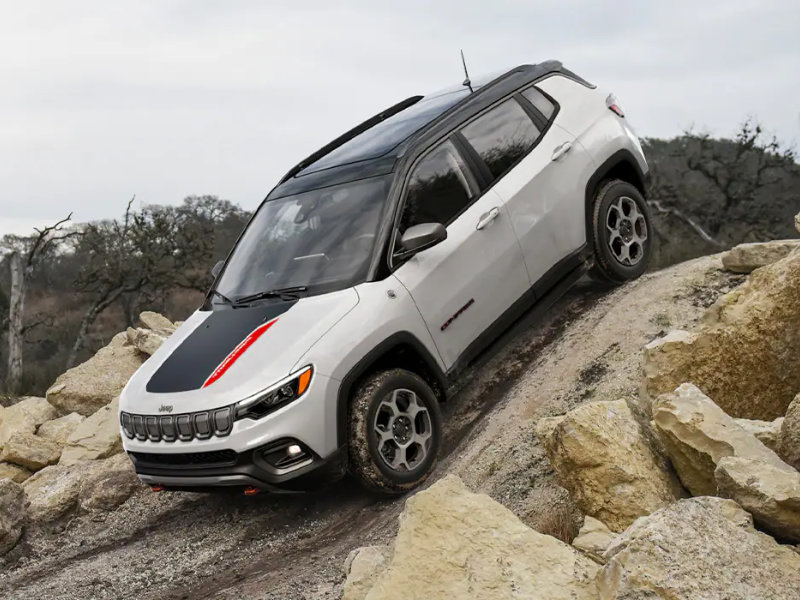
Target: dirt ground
{"x":168,"y":545}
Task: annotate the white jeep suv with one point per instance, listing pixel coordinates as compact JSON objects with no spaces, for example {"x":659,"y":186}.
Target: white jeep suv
{"x":375,"y":271}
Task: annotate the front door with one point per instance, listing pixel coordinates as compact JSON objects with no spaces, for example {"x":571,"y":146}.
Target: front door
{"x":464,"y":284}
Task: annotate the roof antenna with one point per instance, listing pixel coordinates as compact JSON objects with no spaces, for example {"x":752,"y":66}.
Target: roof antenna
{"x":467,"y":82}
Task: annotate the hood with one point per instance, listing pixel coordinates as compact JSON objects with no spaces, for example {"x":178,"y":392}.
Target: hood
{"x":219,"y":357}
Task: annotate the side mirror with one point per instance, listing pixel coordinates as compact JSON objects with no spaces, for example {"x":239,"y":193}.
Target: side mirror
{"x":421,"y":237}
{"x":215,"y":270}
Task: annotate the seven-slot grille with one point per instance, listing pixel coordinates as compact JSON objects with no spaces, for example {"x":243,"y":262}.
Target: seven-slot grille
{"x":186,"y":427}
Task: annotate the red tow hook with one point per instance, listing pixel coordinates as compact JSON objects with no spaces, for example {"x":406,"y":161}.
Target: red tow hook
{"x":157,"y":487}
{"x":251,"y":490}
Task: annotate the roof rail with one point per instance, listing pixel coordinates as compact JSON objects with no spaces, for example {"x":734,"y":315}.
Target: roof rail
{"x":371,"y":122}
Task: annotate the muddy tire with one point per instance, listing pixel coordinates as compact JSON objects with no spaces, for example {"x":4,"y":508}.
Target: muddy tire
{"x":622,"y":234}
{"x":394,"y":432}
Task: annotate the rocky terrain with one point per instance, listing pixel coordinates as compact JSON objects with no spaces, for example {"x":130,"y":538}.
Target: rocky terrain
{"x":677,"y":495}
{"x":583,"y":456}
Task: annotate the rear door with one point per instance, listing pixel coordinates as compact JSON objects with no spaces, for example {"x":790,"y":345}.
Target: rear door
{"x":538,"y":169}
{"x":464,"y":284}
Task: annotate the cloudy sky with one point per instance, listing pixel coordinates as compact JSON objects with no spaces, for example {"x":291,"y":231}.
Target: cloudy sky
{"x":102,"y":100}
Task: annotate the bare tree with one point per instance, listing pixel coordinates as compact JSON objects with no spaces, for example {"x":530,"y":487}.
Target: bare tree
{"x":749,"y":165}
{"x":718,"y":181}
{"x":106,"y":274}
{"x":137,"y":261}
{"x":24,"y":255}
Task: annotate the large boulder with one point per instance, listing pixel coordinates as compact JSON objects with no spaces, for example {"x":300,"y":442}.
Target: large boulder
{"x":698,"y":548}
{"x":362,"y":567}
{"x":753,"y":330}
{"x":91,"y":385}
{"x":146,"y":340}
{"x":24,"y":417}
{"x":603,"y":460}
{"x":53,"y":491}
{"x":38,"y":409}
{"x":14,"y":472}
{"x":746,"y":258}
{"x":12,"y":514}
{"x":59,"y":430}
{"x":453,"y":543}
{"x":155,"y":330}
{"x":30,"y":451}
{"x":789,"y":444}
{"x":545,"y":426}
{"x":767,"y":432}
{"x":697,"y":433}
{"x":156,"y":322}
{"x":12,"y":423}
{"x":593,"y":539}
{"x":768,"y":492}
{"x":797,"y":221}
{"x":96,"y":437}
{"x":109,"y":483}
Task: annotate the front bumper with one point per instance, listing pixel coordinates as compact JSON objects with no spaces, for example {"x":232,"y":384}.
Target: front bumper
{"x":236,"y":458}
{"x":205,"y":471}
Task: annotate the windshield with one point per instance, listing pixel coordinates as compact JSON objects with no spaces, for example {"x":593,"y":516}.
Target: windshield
{"x":320,"y":238}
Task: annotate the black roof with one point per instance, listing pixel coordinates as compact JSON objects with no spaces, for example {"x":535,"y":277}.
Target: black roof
{"x":373,"y":147}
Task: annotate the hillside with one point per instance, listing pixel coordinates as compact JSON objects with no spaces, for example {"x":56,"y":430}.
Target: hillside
{"x":585,"y":349}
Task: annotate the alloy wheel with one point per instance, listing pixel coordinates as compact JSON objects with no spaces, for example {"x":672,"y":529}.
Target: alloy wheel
{"x":627,"y":231}
{"x":403,"y":430}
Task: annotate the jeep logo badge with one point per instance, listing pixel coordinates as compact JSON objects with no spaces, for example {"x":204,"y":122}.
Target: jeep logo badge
{"x":165,"y":408}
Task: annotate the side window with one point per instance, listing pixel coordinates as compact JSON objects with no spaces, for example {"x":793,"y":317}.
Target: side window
{"x":438,"y":189}
{"x":540,"y":101}
{"x":502,"y":136}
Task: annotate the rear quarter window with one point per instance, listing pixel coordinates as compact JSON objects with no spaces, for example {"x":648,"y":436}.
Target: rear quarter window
{"x":542,"y":103}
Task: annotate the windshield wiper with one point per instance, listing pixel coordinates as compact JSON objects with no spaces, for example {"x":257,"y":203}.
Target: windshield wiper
{"x":286,"y":293}
{"x":222,"y":296}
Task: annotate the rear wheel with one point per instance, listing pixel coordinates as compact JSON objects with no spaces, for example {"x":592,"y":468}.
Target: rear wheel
{"x":395,"y":432}
{"x":621,"y":232}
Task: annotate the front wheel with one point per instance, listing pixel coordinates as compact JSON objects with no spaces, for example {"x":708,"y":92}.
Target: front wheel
{"x":395,"y":432}
{"x":621,"y":231}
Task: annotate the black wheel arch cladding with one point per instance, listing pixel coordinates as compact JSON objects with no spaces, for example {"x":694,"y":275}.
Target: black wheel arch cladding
{"x":367,"y":365}
{"x":620,"y":165}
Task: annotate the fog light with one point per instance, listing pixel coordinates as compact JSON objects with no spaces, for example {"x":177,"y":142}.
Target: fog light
{"x":294,"y":450}
{"x":287,"y":454}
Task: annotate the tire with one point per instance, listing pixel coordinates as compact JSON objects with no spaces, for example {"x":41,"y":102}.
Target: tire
{"x":371,"y":411}
{"x":622,"y":232}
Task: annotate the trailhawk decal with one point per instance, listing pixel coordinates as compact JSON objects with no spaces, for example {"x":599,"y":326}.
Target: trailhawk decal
{"x":458,"y":314}
{"x":237,"y":352}
{"x":213,"y":346}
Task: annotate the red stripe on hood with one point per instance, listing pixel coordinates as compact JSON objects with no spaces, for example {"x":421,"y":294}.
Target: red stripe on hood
{"x":238,"y":351}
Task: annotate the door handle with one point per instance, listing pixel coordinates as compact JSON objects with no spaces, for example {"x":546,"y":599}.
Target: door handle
{"x":561,"y":150}
{"x":487,"y":218}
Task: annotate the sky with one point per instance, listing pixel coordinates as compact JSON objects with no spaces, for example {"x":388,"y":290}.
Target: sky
{"x":159,"y":99}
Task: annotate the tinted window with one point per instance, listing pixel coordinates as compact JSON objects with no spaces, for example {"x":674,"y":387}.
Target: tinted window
{"x":502,"y":136}
{"x":386,"y":135}
{"x":378,"y":140}
{"x":438,"y":190}
{"x":540,"y":101}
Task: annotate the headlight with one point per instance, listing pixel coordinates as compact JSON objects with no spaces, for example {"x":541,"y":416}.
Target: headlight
{"x":286,"y":391}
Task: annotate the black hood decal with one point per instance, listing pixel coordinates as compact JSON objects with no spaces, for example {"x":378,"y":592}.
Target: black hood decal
{"x":191,"y":363}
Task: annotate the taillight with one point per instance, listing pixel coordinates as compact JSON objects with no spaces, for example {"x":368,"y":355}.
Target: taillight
{"x":613,"y":105}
